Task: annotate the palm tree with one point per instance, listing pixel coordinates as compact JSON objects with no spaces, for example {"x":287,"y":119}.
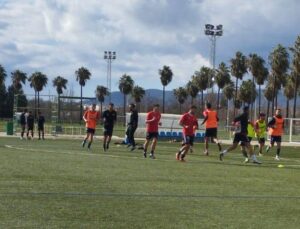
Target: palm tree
{"x":60,"y":83}
{"x":101,"y":93}
{"x":3,"y":92}
{"x":296,"y":71}
{"x":181,"y":95}
{"x":289,"y":93}
{"x":18,"y":78}
{"x":269,"y":96}
{"x":125,"y":86}
{"x":222,"y":78}
{"x":137,"y":94}
{"x":238,"y":70}
{"x":2,"y":75}
{"x":192,"y":89}
{"x":228,"y":92}
{"x":82,"y":75}
{"x":202,"y":80}
{"x":279,"y":61}
{"x":166,"y":76}
{"x":247,"y":93}
{"x":259,"y":73}
{"x":38,"y":81}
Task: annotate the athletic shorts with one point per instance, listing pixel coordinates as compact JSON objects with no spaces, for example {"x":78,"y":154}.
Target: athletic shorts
{"x":261,"y":140}
{"x":151,"y":135}
{"x":188,"y":140}
{"x":249,"y":140}
{"x":41,"y":128}
{"x":211,"y":133}
{"x":29,"y":128}
{"x":238,"y":137}
{"x":275,"y":139}
{"x":108,"y":131}
{"x":90,"y":131}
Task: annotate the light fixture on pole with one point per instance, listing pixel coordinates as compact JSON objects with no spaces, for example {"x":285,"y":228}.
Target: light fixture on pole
{"x":213,"y":32}
{"x":109,"y":56}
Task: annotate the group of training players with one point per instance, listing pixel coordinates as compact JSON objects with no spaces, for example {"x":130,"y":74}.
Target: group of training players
{"x":27,"y":121}
{"x":244,"y":131}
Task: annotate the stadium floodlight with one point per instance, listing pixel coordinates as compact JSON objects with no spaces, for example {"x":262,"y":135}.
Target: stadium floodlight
{"x":213,"y":32}
{"x":109,"y":56}
{"x":219,"y":27}
{"x":219,"y":33}
{"x":209,"y":32}
{"x":209,"y":26}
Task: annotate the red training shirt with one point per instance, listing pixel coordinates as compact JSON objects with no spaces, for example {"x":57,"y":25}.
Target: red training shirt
{"x":152,"y":126}
{"x":188,"y":121}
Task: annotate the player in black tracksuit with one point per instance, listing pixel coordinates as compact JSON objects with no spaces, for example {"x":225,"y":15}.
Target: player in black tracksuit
{"x":132,"y":126}
{"x":109,"y":118}
{"x":41,"y":122}
{"x":30,"y":124}
{"x":23,"y":122}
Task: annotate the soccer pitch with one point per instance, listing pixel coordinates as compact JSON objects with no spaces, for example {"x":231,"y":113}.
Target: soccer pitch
{"x":58,"y":184}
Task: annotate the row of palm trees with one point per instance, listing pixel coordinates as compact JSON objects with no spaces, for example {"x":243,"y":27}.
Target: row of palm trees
{"x":282,"y":73}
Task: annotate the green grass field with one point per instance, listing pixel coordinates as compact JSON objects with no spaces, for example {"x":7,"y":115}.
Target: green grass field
{"x":57,"y":184}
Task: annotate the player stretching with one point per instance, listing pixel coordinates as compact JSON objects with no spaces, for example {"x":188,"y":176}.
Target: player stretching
{"x":109,"y":119}
{"x":211,"y":127}
{"x":152,"y":123}
{"x":90,"y":117}
{"x":260,"y":128}
{"x":187,"y":121}
{"x":276,"y":126}
{"x":241,"y":136}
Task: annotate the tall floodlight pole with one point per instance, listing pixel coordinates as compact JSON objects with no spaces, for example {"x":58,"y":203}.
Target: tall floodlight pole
{"x":109,"y":56}
{"x":213,"y":32}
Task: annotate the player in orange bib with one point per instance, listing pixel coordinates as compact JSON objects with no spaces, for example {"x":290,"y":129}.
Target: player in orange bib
{"x":152,"y":123}
{"x":90,"y":117}
{"x":276,"y":127}
{"x":211,"y":127}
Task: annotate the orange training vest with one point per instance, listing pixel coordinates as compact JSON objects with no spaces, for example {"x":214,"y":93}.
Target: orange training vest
{"x":278,"y":127}
{"x":211,"y":121}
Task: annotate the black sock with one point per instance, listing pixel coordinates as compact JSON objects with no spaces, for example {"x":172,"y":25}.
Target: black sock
{"x":89,"y":145}
{"x":104,"y":145}
{"x":182,"y":156}
{"x":152,"y":152}
{"x":278,"y":152}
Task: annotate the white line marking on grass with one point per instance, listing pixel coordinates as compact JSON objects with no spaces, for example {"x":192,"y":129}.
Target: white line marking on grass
{"x":142,"y":195}
{"x":142,"y":158}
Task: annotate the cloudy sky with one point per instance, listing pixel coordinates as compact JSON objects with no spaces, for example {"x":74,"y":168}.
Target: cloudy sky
{"x":59,"y":36}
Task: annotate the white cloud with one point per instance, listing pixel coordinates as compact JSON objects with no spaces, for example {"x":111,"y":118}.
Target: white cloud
{"x":59,"y":36}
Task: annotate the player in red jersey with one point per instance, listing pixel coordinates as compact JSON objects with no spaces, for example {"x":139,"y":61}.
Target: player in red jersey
{"x":90,"y":117}
{"x":188,"y":121}
{"x":152,"y":123}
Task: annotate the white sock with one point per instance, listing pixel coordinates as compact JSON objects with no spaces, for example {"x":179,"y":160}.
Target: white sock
{"x":254,"y":157}
{"x":225,"y":151}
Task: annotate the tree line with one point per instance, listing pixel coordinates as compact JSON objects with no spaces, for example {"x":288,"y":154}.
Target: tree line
{"x":283,"y":73}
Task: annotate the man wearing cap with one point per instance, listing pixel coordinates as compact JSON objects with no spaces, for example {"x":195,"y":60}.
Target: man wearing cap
{"x":241,"y":123}
{"x":260,"y":129}
{"x":276,"y":127}
{"x":109,"y":118}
